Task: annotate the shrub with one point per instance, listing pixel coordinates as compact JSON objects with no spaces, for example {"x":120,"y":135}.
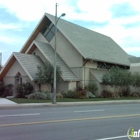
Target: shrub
{"x":28,"y":88}
{"x":70,"y":94}
{"x":59,"y":96}
{"x":91,"y":87}
{"x":90,"y":95}
{"x":77,"y":94}
{"x":24,"y":89}
{"x":20,"y":91}
{"x":40,"y":96}
{"x":107,"y":94}
{"x":49,"y":96}
{"x":1,"y":88}
{"x":8,"y":90}
{"x":135,"y":94}
{"x":125,"y":92}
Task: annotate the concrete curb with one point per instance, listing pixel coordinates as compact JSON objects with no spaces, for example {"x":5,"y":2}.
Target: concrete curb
{"x":63,"y":104}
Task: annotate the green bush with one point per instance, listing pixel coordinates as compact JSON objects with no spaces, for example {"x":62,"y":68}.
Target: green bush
{"x":1,"y":88}
{"x":28,"y":88}
{"x":8,"y":90}
{"x":40,"y":96}
{"x":135,"y":94}
{"x":107,"y":94}
{"x":92,"y":88}
{"x":24,"y":89}
{"x":125,"y":92}
{"x":77,"y":94}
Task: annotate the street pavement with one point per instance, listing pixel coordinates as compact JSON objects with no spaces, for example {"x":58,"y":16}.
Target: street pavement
{"x":84,"y":122}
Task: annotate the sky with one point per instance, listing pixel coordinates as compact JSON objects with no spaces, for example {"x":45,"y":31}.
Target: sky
{"x":119,"y":19}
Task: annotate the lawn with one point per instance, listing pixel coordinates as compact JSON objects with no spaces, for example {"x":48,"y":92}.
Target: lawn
{"x":25,"y":100}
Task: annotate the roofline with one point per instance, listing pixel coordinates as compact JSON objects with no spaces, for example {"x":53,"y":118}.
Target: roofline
{"x":107,"y":62}
{"x":34,"y":43}
{"x":8,"y":65}
{"x":41,"y":25}
{"x":49,"y":59}
{"x":75,"y":45}
{"x":33,"y":35}
{"x":64,"y":33}
{"x":24,"y":68}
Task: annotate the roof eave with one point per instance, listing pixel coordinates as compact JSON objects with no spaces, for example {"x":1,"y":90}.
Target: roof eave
{"x":107,"y":61}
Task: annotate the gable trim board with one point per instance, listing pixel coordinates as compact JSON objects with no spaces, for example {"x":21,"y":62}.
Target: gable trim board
{"x":31,"y":72}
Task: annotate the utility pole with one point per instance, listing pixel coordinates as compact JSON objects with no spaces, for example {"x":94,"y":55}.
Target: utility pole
{"x":55,"y":50}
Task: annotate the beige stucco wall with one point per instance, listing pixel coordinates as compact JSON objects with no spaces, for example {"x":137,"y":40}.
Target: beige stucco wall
{"x":93,"y":79}
{"x":79,"y":72}
{"x":10,"y":76}
{"x":15,"y":68}
{"x":91,"y":65}
{"x":65,"y":86}
{"x":37,"y":52}
{"x":135,"y":67}
{"x":72,"y":85}
{"x":44,"y":87}
{"x":67,"y":52}
{"x":41,"y":38}
{"x":62,"y":87}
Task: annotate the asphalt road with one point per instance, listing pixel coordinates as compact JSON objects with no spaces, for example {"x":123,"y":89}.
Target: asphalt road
{"x":95,"y":122}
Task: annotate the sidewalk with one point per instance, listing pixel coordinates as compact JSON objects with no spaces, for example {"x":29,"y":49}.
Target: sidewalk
{"x":5,"y":103}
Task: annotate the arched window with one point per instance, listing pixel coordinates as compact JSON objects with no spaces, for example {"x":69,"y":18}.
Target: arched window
{"x":18,"y":79}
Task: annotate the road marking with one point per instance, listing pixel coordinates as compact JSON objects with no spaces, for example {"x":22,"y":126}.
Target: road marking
{"x":111,"y":138}
{"x":89,"y":111}
{"x":19,"y":115}
{"x":70,"y":120}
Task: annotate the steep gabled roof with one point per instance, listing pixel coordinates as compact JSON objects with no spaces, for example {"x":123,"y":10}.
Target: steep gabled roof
{"x":92,"y":45}
{"x":28,"y":62}
{"x":48,"y":52}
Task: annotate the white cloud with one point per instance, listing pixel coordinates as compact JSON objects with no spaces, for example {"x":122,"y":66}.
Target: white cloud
{"x":11,"y":39}
{"x":3,"y":50}
{"x":83,"y":10}
{"x":10,"y":26}
{"x":132,"y":49}
{"x":30,"y":10}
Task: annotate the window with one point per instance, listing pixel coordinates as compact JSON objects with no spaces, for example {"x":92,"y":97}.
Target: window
{"x":103,"y":65}
{"x":49,"y":31}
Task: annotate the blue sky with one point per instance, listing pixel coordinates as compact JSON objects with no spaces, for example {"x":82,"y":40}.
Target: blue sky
{"x":119,"y":19}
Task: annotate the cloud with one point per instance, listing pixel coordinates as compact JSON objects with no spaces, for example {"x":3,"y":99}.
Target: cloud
{"x":31,"y":10}
{"x":123,"y":10}
{"x":132,"y":49}
{"x":3,"y":50}
{"x":10,"y":26}
{"x":119,"y":19}
{"x":10,"y":39}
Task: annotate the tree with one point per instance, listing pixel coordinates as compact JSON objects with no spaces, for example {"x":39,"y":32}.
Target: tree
{"x":118,"y":78}
{"x":45,"y":74}
{"x":136,"y":81}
